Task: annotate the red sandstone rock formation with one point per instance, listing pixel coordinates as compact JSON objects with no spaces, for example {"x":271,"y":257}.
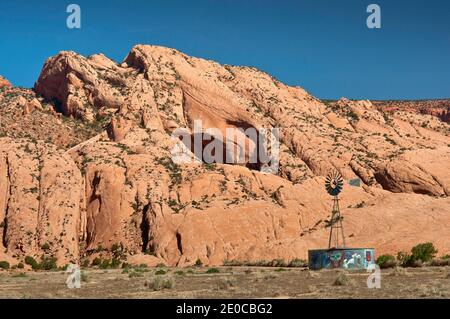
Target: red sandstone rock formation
{"x":101,"y":180}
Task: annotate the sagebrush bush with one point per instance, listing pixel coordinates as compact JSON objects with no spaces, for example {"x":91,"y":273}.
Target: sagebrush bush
{"x":212,"y":271}
{"x":84,"y":277}
{"x":423,"y":252}
{"x":32,"y":262}
{"x":160,"y":283}
{"x":386,"y":261}
{"x":115,"y":263}
{"x":97,"y":261}
{"x":134,"y":274}
{"x":105,"y":264}
{"x":440,"y":262}
{"x":48,"y":263}
{"x":343,"y":280}
{"x":4,"y":264}
{"x":160,"y":272}
{"x":297,"y":263}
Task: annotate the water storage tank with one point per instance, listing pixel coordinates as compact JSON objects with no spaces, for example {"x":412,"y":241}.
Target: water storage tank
{"x":345,"y":258}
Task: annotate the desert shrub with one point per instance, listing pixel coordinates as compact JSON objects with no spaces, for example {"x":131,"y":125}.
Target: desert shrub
{"x":97,"y":261}
{"x":160,"y":272}
{"x":48,"y":263}
{"x":135,"y":274}
{"x":386,"y":261}
{"x":401,"y":256}
{"x":115,"y":263}
{"x":343,"y":280}
{"x":297,"y":263}
{"x":352,"y":115}
{"x":179,"y":273}
{"x":423,"y":252}
{"x":445,"y":257}
{"x":212,"y":271}
{"x":84,"y":277}
{"x":4,"y":264}
{"x":20,"y":265}
{"x":106,"y":263}
{"x":420,"y":254}
{"x":440,"y":262}
{"x":398,"y":271}
{"x":45,"y":246}
{"x":198,"y":263}
{"x":63,"y":268}
{"x":140,"y":269}
{"x":32,"y":262}
{"x":231,"y":263}
{"x":278,"y":263}
{"x":225,"y":284}
{"x":160,"y":283}
{"x":409,"y":261}
{"x":20,"y":275}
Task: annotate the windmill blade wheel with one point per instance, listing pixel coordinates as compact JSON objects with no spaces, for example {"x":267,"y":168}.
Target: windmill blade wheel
{"x":334,"y":183}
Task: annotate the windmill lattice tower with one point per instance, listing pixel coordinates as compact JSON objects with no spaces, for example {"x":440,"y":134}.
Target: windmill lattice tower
{"x":333,"y":184}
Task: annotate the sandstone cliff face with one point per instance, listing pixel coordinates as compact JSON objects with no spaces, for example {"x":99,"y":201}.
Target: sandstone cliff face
{"x":109,"y":180}
{"x":438,"y":108}
{"x":39,"y":201}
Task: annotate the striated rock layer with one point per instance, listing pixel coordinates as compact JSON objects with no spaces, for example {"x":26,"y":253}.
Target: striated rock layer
{"x":104,"y":183}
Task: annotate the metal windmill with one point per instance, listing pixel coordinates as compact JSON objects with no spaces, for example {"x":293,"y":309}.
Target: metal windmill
{"x":333,"y":184}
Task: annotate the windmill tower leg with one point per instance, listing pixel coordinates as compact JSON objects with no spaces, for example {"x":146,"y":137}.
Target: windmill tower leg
{"x":337,"y":229}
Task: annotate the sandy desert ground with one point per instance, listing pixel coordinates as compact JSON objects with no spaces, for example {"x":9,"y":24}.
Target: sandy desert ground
{"x":229,"y":282}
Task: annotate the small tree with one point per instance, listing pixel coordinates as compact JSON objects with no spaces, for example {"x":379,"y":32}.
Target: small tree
{"x":419,"y":254}
{"x":423,"y":252}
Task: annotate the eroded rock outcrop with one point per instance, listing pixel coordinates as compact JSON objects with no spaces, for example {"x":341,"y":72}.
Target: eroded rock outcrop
{"x":4,"y":82}
{"x":40,"y":193}
{"x":117,"y":191}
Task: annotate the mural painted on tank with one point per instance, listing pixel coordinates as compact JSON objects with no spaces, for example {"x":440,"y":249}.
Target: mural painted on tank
{"x":352,"y":259}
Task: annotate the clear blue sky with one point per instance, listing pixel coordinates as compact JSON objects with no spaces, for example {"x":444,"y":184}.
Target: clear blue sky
{"x":321,"y":45}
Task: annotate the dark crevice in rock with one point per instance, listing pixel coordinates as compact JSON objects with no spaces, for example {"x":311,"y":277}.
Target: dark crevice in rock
{"x":145,"y":228}
{"x":94,"y":197}
{"x":179,"y":243}
{"x":5,"y":220}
